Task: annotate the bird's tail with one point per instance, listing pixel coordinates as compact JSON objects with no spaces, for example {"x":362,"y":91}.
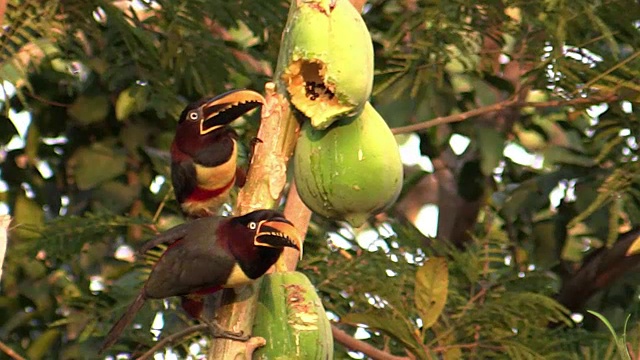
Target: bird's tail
{"x":123,"y":322}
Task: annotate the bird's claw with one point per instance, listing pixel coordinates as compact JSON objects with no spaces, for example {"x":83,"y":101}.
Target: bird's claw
{"x":218,"y":332}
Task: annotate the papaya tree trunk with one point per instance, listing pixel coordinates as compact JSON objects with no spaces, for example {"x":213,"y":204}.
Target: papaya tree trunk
{"x":266,"y":180}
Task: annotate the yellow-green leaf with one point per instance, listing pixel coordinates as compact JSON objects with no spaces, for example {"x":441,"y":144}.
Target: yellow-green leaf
{"x":42,"y":346}
{"x":634,"y":249}
{"x":130,"y":101}
{"x":28,"y":217}
{"x":432,"y":282}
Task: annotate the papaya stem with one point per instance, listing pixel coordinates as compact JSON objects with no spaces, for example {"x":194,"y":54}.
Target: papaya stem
{"x":300,"y":215}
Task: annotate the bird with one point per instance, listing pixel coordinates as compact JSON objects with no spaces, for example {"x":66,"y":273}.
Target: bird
{"x":204,"y":151}
{"x":208,"y":254}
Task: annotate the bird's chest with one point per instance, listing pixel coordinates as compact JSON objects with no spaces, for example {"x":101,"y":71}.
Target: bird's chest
{"x":216,"y":177}
{"x":237,"y":277}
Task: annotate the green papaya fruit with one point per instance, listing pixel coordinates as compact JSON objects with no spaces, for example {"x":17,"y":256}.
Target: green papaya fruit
{"x":326,"y":60}
{"x":350,"y":171}
{"x":290,"y":316}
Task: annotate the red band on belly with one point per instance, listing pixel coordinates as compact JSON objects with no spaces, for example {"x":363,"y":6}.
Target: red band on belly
{"x":199,"y":194}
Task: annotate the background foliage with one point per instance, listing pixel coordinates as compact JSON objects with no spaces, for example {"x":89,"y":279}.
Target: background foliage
{"x":535,"y":215}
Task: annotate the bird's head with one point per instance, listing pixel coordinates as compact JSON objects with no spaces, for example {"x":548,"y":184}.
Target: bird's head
{"x":270,"y":229}
{"x":208,"y":115}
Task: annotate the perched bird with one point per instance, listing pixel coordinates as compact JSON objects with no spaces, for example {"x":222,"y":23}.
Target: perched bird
{"x":208,"y":254}
{"x":204,"y":151}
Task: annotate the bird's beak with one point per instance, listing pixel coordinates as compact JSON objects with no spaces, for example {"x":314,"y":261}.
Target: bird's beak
{"x":223,"y":109}
{"x":278,"y":233}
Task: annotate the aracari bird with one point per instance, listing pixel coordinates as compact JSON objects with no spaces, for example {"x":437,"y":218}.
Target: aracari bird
{"x":207,"y":254}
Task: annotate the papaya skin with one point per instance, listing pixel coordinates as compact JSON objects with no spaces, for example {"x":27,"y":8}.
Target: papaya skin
{"x":290,"y":316}
{"x":350,"y":171}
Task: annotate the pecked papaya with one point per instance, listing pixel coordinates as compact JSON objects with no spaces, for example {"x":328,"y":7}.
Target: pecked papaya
{"x":326,"y":60}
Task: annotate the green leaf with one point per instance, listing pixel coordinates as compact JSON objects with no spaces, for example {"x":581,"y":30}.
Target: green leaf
{"x":89,"y":109}
{"x":28,"y":217}
{"x":116,"y":196}
{"x":397,"y":328}
{"x":620,"y":341}
{"x":42,"y":346}
{"x":491,"y":145}
{"x":546,"y":250}
{"x":559,"y":155}
{"x":432,"y":283}
{"x":33,"y":142}
{"x":97,"y":164}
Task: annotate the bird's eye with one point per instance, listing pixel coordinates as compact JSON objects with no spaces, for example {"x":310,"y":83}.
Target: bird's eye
{"x":252,"y":225}
{"x":193,"y":115}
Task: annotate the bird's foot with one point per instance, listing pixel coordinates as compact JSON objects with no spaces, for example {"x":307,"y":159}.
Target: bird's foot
{"x":255,"y":141}
{"x":218,"y":332}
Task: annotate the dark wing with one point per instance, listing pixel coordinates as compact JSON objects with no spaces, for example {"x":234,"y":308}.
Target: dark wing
{"x":168,"y":237}
{"x":184,"y":179}
{"x":182,"y":271}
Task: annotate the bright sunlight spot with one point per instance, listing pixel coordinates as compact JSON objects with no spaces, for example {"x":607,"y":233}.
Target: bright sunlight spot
{"x":577,"y":318}
{"x":361,"y":334}
{"x":427,"y":220}
{"x":410,"y":154}
{"x":156,"y":184}
{"x":338,"y":241}
{"x":519,"y":155}
{"x":96,"y":284}
{"x":370,"y":240}
{"x":459,"y":143}
{"x":157,"y":324}
{"x":595,"y":111}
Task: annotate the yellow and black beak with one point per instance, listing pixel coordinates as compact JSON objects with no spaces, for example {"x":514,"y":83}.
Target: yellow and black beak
{"x":223,"y":109}
{"x":278,"y":233}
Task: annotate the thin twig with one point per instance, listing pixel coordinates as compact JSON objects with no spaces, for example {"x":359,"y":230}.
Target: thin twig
{"x":47,"y":101}
{"x":609,"y":71}
{"x":497,"y":107}
{"x":5,"y":220}
{"x":369,"y":350}
{"x":162,"y":204}
{"x":473,"y":345}
{"x":300,"y":215}
{"x":9,"y":351}
{"x":164,"y":342}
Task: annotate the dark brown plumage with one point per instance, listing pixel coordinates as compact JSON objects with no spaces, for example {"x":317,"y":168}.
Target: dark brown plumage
{"x":208,"y":254}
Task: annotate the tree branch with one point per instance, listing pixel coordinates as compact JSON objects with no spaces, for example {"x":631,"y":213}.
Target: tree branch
{"x":9,"y":351}
{"x":509,"y":103}
{"x":599,"y":271}
{"x":356,"y":345}
{"x":266,"y":179}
